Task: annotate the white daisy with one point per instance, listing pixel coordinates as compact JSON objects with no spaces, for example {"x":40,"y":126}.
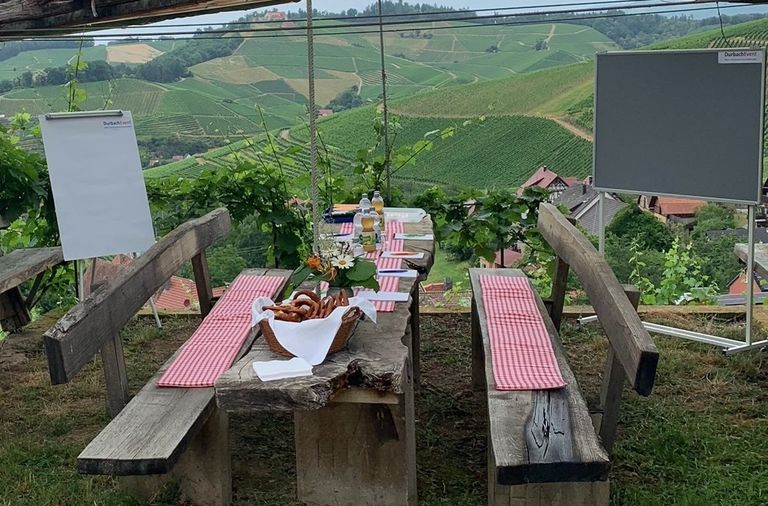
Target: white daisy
{"x":343,"y":262}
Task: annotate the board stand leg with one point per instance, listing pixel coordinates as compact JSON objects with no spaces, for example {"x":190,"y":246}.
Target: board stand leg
{"x":730,"y":346}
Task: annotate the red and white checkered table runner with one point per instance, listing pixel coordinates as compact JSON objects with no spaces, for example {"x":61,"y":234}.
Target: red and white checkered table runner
{"x":386,"y":283}
{"x":523,"y":358}
{"x":213,"y":347}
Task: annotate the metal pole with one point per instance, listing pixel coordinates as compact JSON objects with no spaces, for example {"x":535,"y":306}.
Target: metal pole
{"x":384,"y":104}
{"x":601,"y":221}
{"x":750,"y":269}
{"x":312,"y":128}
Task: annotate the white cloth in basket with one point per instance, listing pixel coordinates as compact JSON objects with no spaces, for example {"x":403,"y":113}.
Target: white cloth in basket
{"x":309,"y":339}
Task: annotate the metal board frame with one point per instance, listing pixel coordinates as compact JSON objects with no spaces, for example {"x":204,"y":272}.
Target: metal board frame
{"x":711,"y":198}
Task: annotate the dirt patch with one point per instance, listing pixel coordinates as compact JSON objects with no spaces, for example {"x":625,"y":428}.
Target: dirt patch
{"x":325,"y":89}
{"x":132,"y":53}
{"x":233,"y":69}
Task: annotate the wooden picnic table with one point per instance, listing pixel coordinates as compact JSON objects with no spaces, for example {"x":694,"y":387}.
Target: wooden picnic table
{"x":761,"y":257}
{"x":354,"y":418}
{"x":15,"y":268}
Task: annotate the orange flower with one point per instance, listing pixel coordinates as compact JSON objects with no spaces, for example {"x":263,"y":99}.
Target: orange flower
{"x":313,"y":262}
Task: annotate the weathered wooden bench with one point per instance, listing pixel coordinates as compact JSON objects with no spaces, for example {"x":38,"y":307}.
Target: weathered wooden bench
{"x":544,"y":448}
{"x":16,"y":268}
{"x":175,"y":432}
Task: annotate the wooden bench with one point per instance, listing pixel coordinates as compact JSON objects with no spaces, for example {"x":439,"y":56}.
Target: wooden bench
{"x":544,"y":448}
{"x":161,"y":431}
{"x":16,"y":268}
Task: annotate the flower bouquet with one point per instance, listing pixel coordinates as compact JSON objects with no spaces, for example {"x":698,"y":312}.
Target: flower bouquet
{"x":336,"y":265}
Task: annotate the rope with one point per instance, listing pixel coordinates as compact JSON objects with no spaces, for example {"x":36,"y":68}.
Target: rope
{"x":385,"y":107}
{"x":312,"y":130}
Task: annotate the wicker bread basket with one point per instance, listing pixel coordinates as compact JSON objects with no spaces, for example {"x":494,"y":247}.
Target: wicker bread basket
{"x":348,"y":324}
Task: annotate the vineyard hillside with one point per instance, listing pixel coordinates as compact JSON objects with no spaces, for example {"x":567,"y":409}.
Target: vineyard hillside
{"x":500,"y":151}
{"x":219,"y":99}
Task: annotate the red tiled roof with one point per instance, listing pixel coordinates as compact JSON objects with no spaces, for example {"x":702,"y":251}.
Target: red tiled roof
{"x":543,"y":178}
{"x":570,"y":181}
{"x":510,"y":257}
{"x":105,"y":271}
{"x":674,"y":206}
{"x":180,"y":294}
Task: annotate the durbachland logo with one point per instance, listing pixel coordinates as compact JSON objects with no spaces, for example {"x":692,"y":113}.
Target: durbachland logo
{"x":740,"y":56}
{"x":117,"y":123}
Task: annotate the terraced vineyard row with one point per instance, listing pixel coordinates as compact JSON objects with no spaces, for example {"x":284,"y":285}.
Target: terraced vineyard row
{"x":499,"y":151}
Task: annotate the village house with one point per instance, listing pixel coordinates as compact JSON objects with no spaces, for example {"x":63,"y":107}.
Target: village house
{"x":670,"y":209}
{"x":549,"y":180}
{"x":582,"y":202}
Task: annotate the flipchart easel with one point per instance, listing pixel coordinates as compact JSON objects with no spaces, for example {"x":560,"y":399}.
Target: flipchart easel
{"x":89,"y":227}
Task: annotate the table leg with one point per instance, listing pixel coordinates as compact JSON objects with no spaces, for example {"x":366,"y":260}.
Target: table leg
{"x":357,"y":454}
{"x":415,"y":337}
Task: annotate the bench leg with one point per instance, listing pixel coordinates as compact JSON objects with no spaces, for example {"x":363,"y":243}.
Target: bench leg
{"x":13,"y":311}
{"x":357,"y":454}
{"x":203,"y":472}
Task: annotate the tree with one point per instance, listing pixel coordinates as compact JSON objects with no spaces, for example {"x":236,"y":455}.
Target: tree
{"x":347,"y":99}
{"x":649,"y":232}
{"x":713,"y":217}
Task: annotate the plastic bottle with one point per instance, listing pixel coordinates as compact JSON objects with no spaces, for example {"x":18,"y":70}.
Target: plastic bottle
{"x":365,"y":202}
{"x":368,"y":233}
{"x":378,"y":205}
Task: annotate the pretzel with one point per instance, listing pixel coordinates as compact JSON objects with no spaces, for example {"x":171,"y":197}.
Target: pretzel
{"x":309,"y":293}
{"x":288,"y":317}
{"x":343,"y":299}
{"x":310,"y":305}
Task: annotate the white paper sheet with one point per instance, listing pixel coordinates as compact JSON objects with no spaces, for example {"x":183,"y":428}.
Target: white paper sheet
{"x":310,"y":339}
{"x":402,"y":254}
{"x":415,"y":237}
{"x":404,"y":214}
{"x":271,"y":370}
{"x":398,"y":273}
{"x":395,"y":296}
{"x":98,"y":187}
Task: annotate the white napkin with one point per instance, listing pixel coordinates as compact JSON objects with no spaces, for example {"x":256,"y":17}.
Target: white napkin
{"x":402,"y":254}
{"x":395,"y":296}
{"x":271,"y":370}
{"x":310,"y":339}
{"x":415,"y":237}
{"x":398,"y":273}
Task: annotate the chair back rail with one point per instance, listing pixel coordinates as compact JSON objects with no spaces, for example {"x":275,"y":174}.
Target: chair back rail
{"x":630,"y":343}
{"x":97,"y":320}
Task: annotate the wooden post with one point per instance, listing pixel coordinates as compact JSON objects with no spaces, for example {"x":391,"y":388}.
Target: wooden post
{"x":613,"y":386}
{"x":415,"y":335}
{"x":559,"y":286}
{"x":354,"y":453}
{"x":203,"y":282}
{"x":203,"y":473}
{"x":13,"y":312}
{"x":115,"y":376}
{"x":478,"y":366}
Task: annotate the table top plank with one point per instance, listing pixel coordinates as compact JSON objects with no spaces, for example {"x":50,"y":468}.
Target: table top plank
{"x":541,"y":435}
{"x":151,"y":432}
{"x":376,"y":358}
{"x":761,"y":257}
{"x":22,"y":264}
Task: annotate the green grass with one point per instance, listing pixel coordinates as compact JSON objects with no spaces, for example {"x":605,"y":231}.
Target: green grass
{"x":447,"y":267}
{"x":699,"y":439}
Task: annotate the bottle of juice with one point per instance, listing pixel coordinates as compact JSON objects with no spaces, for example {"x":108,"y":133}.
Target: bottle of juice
{"x":378,"y":205}
{"x":368,"y":234}
{"x":377,"y":231}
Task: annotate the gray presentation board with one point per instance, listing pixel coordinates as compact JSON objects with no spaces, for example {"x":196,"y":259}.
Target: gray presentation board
{"x":680,"y":123}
